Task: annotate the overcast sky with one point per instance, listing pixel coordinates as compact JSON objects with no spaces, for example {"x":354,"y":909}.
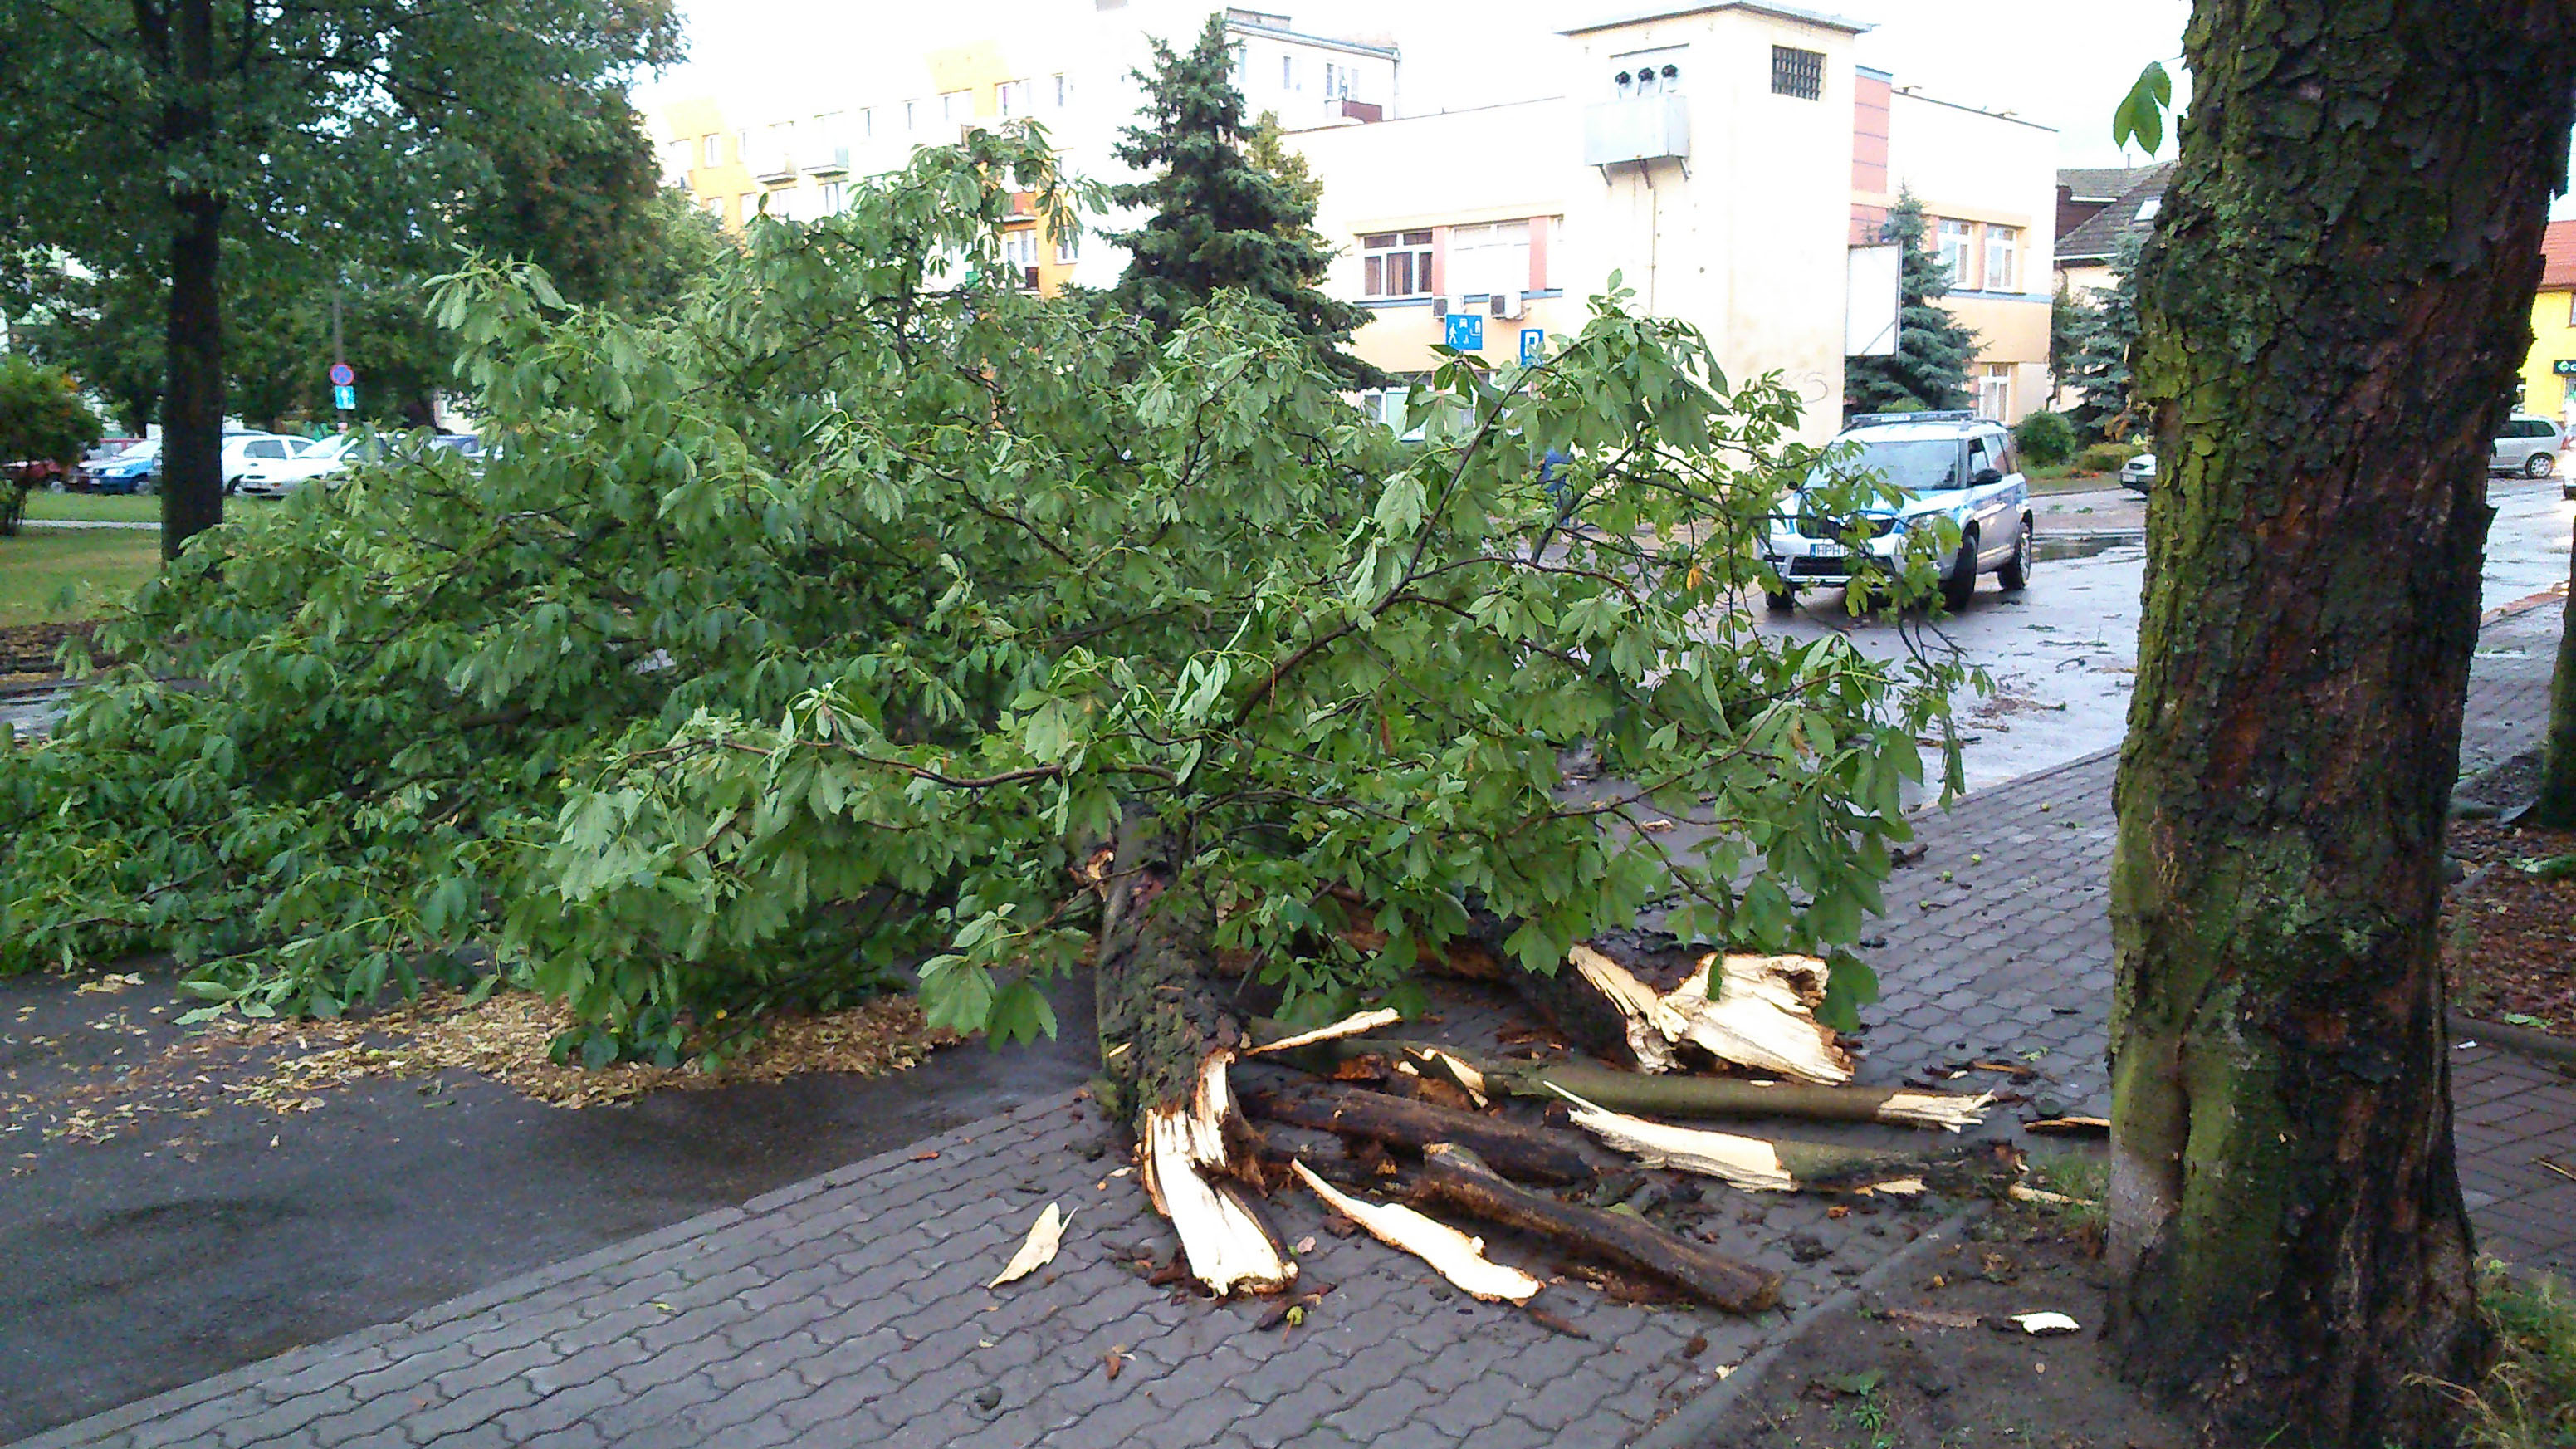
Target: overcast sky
{"x":2059,"y":64}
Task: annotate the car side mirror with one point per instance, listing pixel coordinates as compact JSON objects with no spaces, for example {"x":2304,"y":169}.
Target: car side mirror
{"x":1986,"y":478}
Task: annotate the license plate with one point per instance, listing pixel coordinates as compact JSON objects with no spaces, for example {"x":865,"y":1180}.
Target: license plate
{"x":1823,"y":549}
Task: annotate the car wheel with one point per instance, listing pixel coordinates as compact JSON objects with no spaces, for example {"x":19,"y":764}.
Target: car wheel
{"x":1961,"y":585}
{"x":2015,"y":574}
{"x":2538,"y":465}
{"x":1784,"y":601}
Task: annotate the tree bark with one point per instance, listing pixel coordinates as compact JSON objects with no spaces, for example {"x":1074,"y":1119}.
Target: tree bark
{"x":1166,"y":1049}
{"x":2335,"y":310}
{"x":2556,"y":807}
{"x":1456,"y":1177}
{"x":192,"y":405}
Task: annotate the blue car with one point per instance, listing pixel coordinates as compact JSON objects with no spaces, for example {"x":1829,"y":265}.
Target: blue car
{"x":136,"y":470}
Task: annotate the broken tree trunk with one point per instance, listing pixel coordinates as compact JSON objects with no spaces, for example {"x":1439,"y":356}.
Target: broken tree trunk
{"x":1165,"y":1048}
{"x":1456,"y":1177}
{"x":1527,"y":1153}
{"x":1663,"y":1096}
{"x":1458,"y":1257}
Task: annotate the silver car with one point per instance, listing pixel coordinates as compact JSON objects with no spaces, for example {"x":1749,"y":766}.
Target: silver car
{"x":2526,"y":444}
{"x":2139,"y":473}
{"x":1948,"y":465}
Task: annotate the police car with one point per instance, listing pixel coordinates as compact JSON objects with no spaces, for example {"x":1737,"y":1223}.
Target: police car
{"x":1952,"y":465}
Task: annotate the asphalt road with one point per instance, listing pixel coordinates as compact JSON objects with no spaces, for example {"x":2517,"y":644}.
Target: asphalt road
{"x":2063,"y":654}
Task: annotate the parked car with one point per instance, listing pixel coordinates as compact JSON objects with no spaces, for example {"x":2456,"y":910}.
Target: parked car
{"x":1952,"y":465}
{"x":2139,"y":473}
{"x":241,"y":450}
{"x":2526,"y":444}
{"x":136,"y":469}
{"x":277,"y":477}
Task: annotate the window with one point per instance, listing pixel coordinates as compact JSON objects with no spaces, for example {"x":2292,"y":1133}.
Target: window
{"x":2003,"y":255}
{"x":711,"y":151}
{"x":867,"y":123}
{"x":1242,"y":67}
{"x":1068,"y":248}
{"x":1020,"y":250}
{"x":1063,"y":93}
{"x":741,"y":147}
{"x":1994,"y":394}
{"x":1395,"y":264}
{"x":1011,"y":98}
{"x":908,"y":117}
{"x":1798,"y":73}
{"x":956,"y":105}
{"x":1490,"y":258}
{"x":2148,"y":208}
{"x":715,"y":207}
{"x":749,"y":201}
{"x":1954,"y":250}
{"x":829,"y":202}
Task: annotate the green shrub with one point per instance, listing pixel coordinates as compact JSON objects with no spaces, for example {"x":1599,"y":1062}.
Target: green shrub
{"x":2528,"y":1400}
{"x":2047,"y":439}
{"x":2106,"y":457}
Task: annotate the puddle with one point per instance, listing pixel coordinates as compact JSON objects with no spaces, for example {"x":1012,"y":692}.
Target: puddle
{"x":2051,"y":546}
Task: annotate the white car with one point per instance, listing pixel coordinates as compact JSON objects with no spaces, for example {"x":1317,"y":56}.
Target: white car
{"x":2139,"y":473}
{"x":276,"y":477}
{"x":244,"y":450}
{"x":1952,"y":465}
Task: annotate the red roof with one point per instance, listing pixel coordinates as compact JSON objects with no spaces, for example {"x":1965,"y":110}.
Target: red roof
{"x":2558,"y":255}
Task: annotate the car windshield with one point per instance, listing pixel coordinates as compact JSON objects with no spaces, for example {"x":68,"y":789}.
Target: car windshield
{"x":342,"y":446}
{"x":1917,"y":465}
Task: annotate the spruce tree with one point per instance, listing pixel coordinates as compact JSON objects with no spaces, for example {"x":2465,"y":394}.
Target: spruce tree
{"x":2099,"y":368}
{"x":1218,"y":217}
{"x":1933,"y":348}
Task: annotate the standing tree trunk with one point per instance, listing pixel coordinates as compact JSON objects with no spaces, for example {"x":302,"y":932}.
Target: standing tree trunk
{"x":192,"y":405}
{"x":2334,"y":309}
{"x":2556,"y":808}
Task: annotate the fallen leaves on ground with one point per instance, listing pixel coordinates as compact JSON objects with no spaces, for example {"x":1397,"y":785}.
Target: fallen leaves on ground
{"x":2509,"y":935}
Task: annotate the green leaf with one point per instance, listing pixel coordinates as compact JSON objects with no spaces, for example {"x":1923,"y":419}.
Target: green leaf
{"x":2139,"y":119}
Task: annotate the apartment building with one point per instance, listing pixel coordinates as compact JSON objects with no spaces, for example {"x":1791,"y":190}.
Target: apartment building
{"x":2549,"y":370}
{"x":1719,"y":158}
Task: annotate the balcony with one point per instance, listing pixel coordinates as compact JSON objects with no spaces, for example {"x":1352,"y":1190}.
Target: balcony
{"x":824,"y":158}
{"x":1639,"y":129}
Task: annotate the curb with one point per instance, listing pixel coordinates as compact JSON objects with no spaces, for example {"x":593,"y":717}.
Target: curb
{"x":2554,"y":594}
{"x":1692,"y":1423}
{"x":2513,"y":1038}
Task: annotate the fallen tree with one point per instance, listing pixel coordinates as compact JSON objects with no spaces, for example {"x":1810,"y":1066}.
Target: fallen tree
{"x":819,"y":638}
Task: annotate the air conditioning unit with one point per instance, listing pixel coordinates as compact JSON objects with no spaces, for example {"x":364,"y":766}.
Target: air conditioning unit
{"x":1439,"y":305}
{"x":1503,"y":304}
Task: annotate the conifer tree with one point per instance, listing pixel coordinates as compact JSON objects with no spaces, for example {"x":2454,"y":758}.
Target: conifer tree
{"x":2098,"y":370}
{"x":1218,"y":217}
{"x":1933,"y":348}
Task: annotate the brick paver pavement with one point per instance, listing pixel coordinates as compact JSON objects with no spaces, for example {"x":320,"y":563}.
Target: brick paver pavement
{"x":850,"y":1309}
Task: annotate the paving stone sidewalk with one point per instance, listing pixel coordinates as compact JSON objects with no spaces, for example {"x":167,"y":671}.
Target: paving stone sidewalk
{"x":851,"y":1309}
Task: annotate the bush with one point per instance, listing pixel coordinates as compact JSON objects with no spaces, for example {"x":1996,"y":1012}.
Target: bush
{"x":2106,"y":457}
{"x":2047,"y":439}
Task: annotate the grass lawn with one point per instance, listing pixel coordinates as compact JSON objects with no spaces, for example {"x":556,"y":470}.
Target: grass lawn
{"x":2060,"y":479}
{"x":86,"y":507}
{"x":102,"y":566}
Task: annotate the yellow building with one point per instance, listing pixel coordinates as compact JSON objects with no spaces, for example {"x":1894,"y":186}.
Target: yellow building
{"x":2549,"y":373}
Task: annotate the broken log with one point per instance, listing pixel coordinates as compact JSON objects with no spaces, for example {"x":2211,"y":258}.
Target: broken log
{"x":1456,"y":1256}
{"x":1165,"y":1047}
{"x":1664,"y":1096}
{"x":1754,"y":1164}
{"x":1527,"y":1153}
{"x":1456,"y":1177}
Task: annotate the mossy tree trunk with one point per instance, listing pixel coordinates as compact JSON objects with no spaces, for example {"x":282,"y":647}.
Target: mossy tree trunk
{"x":2334,"y":312}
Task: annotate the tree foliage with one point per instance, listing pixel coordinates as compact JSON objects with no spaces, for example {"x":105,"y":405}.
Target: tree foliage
{"x":1230,"y":208}
{"x":830,"y":623}
{"x":1933,"y":348}
{"x":140,"y":139}
{"x":42,"y":417}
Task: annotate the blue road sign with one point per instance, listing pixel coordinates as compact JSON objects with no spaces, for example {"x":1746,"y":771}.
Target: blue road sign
{"x":1533,"y":345}
{"x":342,"y":374}
{"x":1466,"y":331}
{"x":344,"y":397}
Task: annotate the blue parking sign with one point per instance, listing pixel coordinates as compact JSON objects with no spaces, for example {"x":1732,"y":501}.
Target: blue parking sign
{"x":344,"y":398}
{"x":1533,"y":345}
{"x":1466,"y":331}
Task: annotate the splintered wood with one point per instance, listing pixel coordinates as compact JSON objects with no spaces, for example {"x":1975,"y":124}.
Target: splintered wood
{"x":1229,"y":1247}
{"x":1454,"y":1255}
{"x":1750,"y":1011}
{"x":1754,"y":1164}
